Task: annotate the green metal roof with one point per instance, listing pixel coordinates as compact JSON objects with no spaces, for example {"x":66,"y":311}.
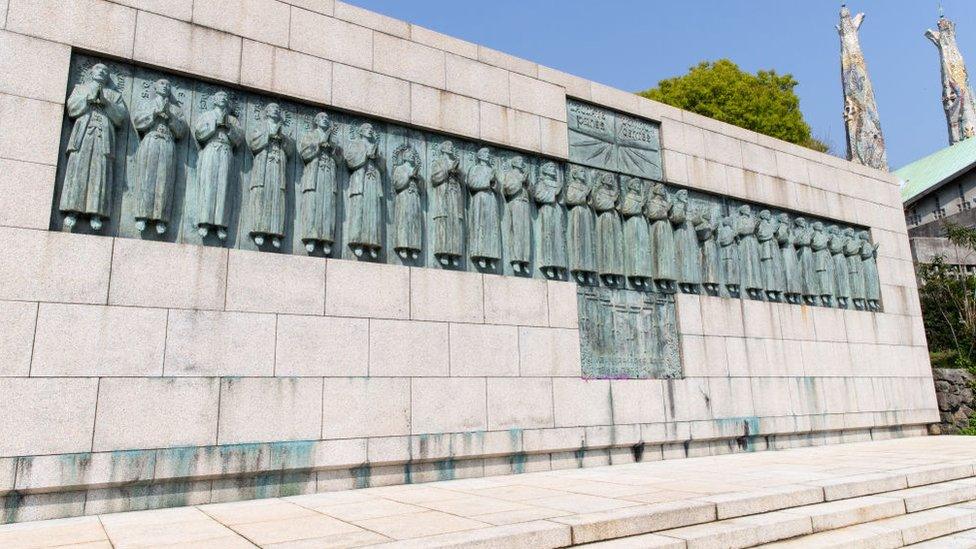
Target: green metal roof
{"x":928,"y":173}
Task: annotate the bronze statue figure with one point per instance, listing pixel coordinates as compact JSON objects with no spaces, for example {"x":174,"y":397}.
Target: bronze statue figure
{"x":407,"y":212}
{"x":447,"y":205}
{"x":365,"y":192}
{"x":484,"y":229}
{"x":219,"y":134}
{"x":514,"y":181}
{"x":318,"y":187}
{"x":161,"y":124}
{"x":581,"y":229}
{"x":552,"y":241}
{"x":89,"y":182}
{"x":269,"y":177}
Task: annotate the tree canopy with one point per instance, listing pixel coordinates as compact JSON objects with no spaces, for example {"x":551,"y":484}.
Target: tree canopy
{"x":763,"y":102}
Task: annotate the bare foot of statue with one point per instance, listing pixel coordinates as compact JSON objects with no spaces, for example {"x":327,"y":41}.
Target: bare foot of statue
{"x":402,"y":253}
{"x":141,"y":225}
{"x":96,"y":223}
{"x":202,"y":231}
{"x":70,"y":221}
{"x":374,"y":253}
{"x":222,"y":234}
{"x":259,"y":239}
{"x":443,"y":259}
{"x":160,"y":227}
{"x":327,"y":248}
{"x":310,"y":246}
{"x":276,"y":242}
{"x":414,"y":254}
{"x":482,"y":263}
{"x":358,"y":251}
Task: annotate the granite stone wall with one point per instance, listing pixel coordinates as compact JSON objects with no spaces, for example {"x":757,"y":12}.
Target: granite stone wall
{"x":137,"y":374}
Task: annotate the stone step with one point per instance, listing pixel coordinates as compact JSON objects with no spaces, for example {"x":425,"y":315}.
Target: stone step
{"x":861,"y":536}
{"x":848,"y":512}
{"x":899,"y":531}
{"x":960,"y":540}
{"x":933,"y":523}
{"x":743,"y":531}
{"x":936,"y":495}
{"x":904,"y":514}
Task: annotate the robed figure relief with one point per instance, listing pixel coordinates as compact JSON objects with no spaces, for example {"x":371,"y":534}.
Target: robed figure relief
{"x":842,"y":277}
{"x":855,"y":267}
{"x":364,"y":205}
{"x":689,"y":256}
{"x":637,"y":237}
{"x":770,"y":259}
{"x":751,"y":269}
{"x":869,"y":264}
{"x":484,"y":223}
{"x":318,"y":188}
{"x":809,"y":279}
{"x":514,"y":181}
{"x":609,"y":233}
{"x":728,"y":252}
{"x":98,"y":111}
{"x":657,"y":210}
{"x":552,"y":241}
{"x":160,"y":123}
{"x":219,"y":134}
{"x":269,"y":177}
{"x":446,"y":205}
{"x":791,"y":260}
{"x":407,"y":213}
{"x":822,"y":263}
{"x":580,"y":230}
{"x":711,"y":265}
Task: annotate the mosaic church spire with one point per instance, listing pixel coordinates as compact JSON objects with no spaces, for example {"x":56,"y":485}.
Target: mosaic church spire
{"x":865,"y":144}
{"x":957,"y":95}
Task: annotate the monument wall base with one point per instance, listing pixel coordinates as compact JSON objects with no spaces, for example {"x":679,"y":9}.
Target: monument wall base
{"x":88,"y":484}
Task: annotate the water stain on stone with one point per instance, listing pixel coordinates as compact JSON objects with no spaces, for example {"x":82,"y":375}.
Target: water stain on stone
{"x":361,"y":475}
{"x":638,"y":451}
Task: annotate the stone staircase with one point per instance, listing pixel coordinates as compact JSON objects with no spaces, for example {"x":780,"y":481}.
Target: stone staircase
{"x":930,"y":507}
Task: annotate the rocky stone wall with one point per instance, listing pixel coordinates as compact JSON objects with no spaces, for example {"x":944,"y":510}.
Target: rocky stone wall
{"x":954,"y":393}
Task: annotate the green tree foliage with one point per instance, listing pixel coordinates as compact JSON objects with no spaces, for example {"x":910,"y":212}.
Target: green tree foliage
{"x":763,"y":102}
{"x":949,"y":306}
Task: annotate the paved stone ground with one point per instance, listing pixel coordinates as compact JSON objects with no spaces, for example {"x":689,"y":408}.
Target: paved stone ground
{"x":529,"y":509}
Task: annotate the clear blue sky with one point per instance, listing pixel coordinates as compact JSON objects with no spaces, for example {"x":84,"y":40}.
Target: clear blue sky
{"x":631,"y":44}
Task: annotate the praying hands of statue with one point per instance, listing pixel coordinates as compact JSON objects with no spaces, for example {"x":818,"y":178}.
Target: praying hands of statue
{"x":96,"y":96}
{"x":161,"y":108}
